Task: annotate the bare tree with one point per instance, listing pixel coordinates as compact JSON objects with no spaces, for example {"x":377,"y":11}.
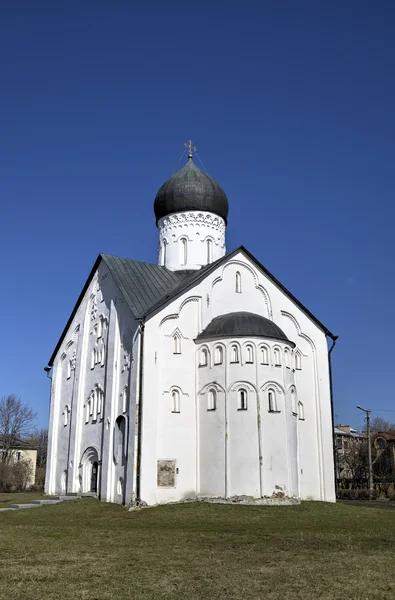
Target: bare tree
{"x":16,"y":419}
{"x":355,"y":460}
{"x":379,"y":424}
{"x":39,"y":437}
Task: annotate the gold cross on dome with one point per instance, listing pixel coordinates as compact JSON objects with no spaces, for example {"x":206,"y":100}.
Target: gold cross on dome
{"x":191,"y":148}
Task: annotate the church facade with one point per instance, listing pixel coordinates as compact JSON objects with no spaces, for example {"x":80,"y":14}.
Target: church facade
{"x":199,"y":376}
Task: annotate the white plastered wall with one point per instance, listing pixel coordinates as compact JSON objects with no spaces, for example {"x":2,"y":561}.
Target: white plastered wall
{"x":170,"y":436}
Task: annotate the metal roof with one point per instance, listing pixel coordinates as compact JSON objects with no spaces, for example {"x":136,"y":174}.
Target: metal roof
{"x":190,"y":189}
{"x":142,"y":284}
{"x":242,"y":324}
{"x":147,"y":287}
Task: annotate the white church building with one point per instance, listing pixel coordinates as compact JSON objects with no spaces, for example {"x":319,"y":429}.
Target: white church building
{"x":201,"y":376}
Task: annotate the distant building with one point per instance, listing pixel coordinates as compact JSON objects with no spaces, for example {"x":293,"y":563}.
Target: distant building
{"x":384,"y":444}
{"x":345,"y":437}
{"x":23,"y":451}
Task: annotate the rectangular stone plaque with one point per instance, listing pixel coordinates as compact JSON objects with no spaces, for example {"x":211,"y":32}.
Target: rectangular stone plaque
{"x":166,"y":473}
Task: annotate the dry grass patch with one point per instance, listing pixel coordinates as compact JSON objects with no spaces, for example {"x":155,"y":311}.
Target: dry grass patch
{"x":90,"y":550}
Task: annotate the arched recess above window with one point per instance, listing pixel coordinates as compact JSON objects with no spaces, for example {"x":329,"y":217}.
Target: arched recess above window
{"x":238,"y":282}
{"x":211,"y":400}
{"x":272,"y":401}
{"x":209,"y":251}
{"x":218,"y":355}
{"x":234,"y":353}
{"x":242,"y":399}
{"x":264,"y":350}
{"x":183,"y":251}
{"x":175,"y":401}
{"x":277,"y":357}
{"x":301,"y":411}
{"x":203,"y":358}
{"x":249,"y":354}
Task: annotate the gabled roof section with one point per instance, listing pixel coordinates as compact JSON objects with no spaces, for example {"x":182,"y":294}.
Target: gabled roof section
{"x":142,"y":284}
{"x":147,"y":287}
{"x":197,"y":276}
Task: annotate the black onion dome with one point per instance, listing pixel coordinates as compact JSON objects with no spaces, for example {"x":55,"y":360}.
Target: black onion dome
{"x":243,"y":324}
{"x":190,"y":189}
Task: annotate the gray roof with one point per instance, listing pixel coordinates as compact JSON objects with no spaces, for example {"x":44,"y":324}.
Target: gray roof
{"x":143,"y":284}
{"x":242,"y":324}
{"x":146,"y":287}
{"x":190,"y":189}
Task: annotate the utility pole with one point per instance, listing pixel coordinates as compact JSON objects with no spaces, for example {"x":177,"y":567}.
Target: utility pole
{"x":367,"y":412}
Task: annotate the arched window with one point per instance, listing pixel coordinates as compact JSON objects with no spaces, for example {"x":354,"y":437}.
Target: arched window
{"x":218,"y":355}
{"x":272,"y":401}
{"x":175,"y":401}
{"x":301,"y":411}
{"x":277,"y":357}
{"x":212,"y":400}
{"x":100,"y":400}
{"x":183,"y":251}
{"x":119,"y":440}
{"x":125,"y":399}
{"x":298,"y":361}
{"x":93,"y":358}
{"x":203,"y":362}
{"x":380,"y":443}
{"x":238,"y":282}
{"x":287,"y":358}
{"x":242,"y":400}
{"x":234,"y":354}
{"x":209,"y":251}
{"x":163,"y":253}
{"x":249,"y":354}
{"x":176,"y":345}
{"x":101,"y":354}
{"x":66,"y":413}
{"x":264,"y":355}
{"x":294,"y":405}
{"x":69,"y":365}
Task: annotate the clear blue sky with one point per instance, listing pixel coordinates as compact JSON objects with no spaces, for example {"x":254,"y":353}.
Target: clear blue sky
{"x":291,"y":106}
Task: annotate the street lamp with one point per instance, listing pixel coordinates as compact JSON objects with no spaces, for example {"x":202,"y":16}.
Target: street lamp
{"x":367,"y":412}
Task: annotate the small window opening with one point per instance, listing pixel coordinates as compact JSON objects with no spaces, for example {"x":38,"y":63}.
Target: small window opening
{"x":177,"y":345}
{"x":238,"y":282}
{"x":175,"y":401}
{"x":212,"y":400}
{"x":264,"y":355}
{"x":287,"y":358}
{"x":301,"y":411}
{"x":293,"y":403}
{"x":272,"y":401}
{"x":277,"y":357}
{"x":249,"y":354}
{"x":218,"y":355}
{"x":234,"y":354}
{"x":209,"y":250}
{"x":203,"y":358}
{"x":298,"y":361}
{"x":242,"y":404}
{"x":183,"y":251}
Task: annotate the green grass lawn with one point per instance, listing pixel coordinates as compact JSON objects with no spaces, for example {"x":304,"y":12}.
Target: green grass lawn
{"x":20,"y":498}
{"x":89,"y":550}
